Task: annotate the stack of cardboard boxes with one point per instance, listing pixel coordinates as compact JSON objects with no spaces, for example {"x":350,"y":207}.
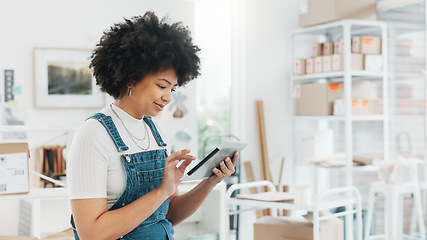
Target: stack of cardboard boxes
{"x":328,"y":56}
{"x":324,"y":98}
{"x":319,"y":98}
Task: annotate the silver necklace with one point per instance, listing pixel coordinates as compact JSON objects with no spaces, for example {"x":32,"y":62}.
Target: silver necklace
{"x":133,"y":137}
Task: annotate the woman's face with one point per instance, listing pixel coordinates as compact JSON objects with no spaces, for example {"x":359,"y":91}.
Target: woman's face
{"x":152,"y":94}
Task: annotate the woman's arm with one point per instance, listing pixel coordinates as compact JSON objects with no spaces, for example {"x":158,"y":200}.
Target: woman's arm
{"x":183,"y":206}
{"x":94,"y":221}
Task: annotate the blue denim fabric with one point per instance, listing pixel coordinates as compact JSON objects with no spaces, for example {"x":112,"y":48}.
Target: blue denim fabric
{"x":144,"y":173}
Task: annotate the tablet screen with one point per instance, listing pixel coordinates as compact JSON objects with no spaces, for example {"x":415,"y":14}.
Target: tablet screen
{"x":204,"y":168}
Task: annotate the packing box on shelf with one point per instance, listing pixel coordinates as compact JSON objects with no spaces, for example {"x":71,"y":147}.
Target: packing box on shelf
{"x":317,"y":49}
{"x":318,"y":98}
{"x":309,"y":65}
{"x":373,"y":62}
{"x":366,"y":44}
{"x":14,"y":168}
{"x":357,"y":62}
{"x":299,"y":66}
{"x":297,"y":228}
{"x":327,"y":63}
{"x":312,"y":12}
{"x":318,"y":64}
{"x":339,"y":46}
{"x":314,"y":99}
{"x":358,"y":107}
{"x":328,"y":48}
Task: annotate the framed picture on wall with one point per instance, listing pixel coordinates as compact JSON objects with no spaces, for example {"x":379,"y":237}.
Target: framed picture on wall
{"x":63,"y":79}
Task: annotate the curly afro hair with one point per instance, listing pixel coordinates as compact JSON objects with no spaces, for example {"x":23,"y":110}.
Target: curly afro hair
{"x":143,"y":45}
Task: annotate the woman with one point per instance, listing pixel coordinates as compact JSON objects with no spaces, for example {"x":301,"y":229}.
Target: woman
{"x":122,"y":182}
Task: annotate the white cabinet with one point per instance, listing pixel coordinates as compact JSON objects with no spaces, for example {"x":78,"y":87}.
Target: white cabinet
{"x":42,"y":211}
{"x":347,"y":128}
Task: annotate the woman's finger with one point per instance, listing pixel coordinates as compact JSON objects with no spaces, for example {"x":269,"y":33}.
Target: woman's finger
{"x":180,"y":155}
{"x":235,"y":158}
{"x":230,"y":165}
{"x":224,"y":168}
{"x":185,"y":164}
{"x":218,"y":172}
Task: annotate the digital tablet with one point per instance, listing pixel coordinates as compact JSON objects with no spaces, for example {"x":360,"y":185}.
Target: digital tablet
{"x":204,"y":168}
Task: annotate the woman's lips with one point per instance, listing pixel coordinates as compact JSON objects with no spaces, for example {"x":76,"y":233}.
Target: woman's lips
{"x":160,"y":106}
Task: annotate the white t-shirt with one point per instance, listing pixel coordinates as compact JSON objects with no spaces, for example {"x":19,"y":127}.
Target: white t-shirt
{"x":94,"y":168}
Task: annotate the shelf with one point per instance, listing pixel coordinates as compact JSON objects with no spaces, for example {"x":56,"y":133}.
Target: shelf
{"x":354,"y":168}
{"x":336,"y":27}
{"x":355,"y":75}
{"x":341,"y":118}
{"x":333,"y":31}
{"x":35,"y":128}
{"x":39,"y":193}
{"x":330,"y":199}
{"x":328,"y":204}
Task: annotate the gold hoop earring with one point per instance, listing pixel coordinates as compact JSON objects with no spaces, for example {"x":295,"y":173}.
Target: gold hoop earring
{"x":129,"y":92}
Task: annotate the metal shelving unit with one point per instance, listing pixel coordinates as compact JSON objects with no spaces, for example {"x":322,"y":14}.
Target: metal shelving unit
{"x":333,"y":31}
{"x":348,"y":197}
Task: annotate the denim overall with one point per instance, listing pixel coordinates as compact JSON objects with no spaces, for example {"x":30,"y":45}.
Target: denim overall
{"x":144,"y":173}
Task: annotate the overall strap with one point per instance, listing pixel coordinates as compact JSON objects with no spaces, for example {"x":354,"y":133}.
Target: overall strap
{"x":156,"y":134}
{"x":109,"y":125}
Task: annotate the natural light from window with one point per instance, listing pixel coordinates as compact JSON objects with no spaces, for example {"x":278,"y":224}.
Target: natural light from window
{"x":213,"y":36}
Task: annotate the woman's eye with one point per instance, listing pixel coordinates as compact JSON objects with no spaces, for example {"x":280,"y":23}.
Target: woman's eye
{"x":162,"y":87}
{"x":173,"y":90}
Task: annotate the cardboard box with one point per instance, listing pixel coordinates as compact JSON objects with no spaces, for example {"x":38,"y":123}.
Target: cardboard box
{"x":357,"y":62}
{"x":366,"y":45}
{"x":297,"y":228}
{"x":317,"y":49}
{"x":299,"y":66}
{"x":14,"y":177}
{"x":358,"y":107}
{"x":339,"y":46}
{"x":328,"y":48}
{"x":373,"y":62}
{"x":327,"y":63}
{"x":318,"y":64}
{"x":318,"y":98}
{"x":312,"y":12}
{"x":337,"y":62}
{"x":365,"y":107}
{"x":309,"y":65}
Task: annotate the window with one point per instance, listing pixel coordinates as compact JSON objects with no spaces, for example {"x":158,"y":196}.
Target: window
{"x":213,"y":36}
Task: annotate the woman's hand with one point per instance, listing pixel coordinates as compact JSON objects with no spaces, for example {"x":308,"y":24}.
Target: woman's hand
{"x":172,"y":173}
{"x":226,"y":169}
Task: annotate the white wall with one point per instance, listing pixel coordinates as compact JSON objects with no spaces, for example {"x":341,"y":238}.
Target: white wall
{"x":265,"y":68}
{"x":266,"y":71}
{"x":26,"y":24}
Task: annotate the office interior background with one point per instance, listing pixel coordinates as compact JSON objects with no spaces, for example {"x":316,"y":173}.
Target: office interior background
{"x":248,"y":53}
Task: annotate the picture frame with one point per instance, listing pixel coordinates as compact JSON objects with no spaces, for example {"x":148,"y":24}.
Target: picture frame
{"x":63,"y":79}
